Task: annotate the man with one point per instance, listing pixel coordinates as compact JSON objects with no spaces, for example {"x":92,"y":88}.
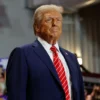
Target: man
{"x":43,"y":70}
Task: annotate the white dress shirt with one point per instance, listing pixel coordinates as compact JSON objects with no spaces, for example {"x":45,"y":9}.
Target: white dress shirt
{"x":47,"y":47}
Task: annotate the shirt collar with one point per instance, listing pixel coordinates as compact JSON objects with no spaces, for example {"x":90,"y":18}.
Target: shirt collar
{"x":46,"y":45}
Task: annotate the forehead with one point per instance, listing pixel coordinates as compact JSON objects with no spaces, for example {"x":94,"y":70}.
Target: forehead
{"x":52,"y":13}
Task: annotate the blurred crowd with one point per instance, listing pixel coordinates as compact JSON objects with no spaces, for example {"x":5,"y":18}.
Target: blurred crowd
{"x":94,"y":95}
{"x":2,"y":84}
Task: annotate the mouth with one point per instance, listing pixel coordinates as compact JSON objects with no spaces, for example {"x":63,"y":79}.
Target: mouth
{"x":54,"y":29}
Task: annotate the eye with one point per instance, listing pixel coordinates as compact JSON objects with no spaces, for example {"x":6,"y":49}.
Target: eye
{"x":59,"y":20}
{"x":48,"y":20}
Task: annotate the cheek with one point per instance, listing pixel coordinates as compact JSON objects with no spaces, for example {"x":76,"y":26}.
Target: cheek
{"x":46,"y":28}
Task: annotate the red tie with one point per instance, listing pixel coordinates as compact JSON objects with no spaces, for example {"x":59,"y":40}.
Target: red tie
{"x":60,"y":71}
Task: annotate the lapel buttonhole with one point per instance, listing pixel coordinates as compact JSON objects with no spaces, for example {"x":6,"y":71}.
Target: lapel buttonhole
{"x":66,"y":53}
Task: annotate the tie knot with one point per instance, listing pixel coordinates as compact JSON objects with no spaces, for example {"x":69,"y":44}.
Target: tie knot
{"x":53,"y":49}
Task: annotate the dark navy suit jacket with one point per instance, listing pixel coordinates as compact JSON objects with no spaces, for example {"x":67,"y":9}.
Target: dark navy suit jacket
{"x":31,"y":75}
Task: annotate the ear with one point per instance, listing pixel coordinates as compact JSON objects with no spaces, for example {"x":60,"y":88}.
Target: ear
{"x":36,"y":28}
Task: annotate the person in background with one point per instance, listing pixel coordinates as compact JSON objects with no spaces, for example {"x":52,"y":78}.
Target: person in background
{"x":2,"y":92}
{"x":43,"y":70}
{"x":2,"y":84}
{"x":1,"y":74}
{"x":95,"y":92}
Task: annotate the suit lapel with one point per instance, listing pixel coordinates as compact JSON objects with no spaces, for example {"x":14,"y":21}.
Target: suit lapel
{"x":71,"y":66}
{"x":40,"y":51}
{"x":68,"y":60}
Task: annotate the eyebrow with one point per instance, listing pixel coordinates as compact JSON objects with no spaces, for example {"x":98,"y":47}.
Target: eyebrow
{"x":58,"y":17}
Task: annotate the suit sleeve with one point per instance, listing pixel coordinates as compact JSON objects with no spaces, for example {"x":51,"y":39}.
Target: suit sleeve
{"x":16,"y":77}
{"x":81,"y":85}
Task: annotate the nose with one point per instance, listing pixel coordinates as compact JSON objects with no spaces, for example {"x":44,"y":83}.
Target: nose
{"x":54,"y":22}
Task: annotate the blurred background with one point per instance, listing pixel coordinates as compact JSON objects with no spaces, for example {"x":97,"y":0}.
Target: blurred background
{"x":81,"y":35}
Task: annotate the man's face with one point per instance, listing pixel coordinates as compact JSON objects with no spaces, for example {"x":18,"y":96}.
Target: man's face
{"x":50,"y":27}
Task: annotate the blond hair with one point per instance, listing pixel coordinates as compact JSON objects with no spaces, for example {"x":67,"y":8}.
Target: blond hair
{"x":40,"y":10}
